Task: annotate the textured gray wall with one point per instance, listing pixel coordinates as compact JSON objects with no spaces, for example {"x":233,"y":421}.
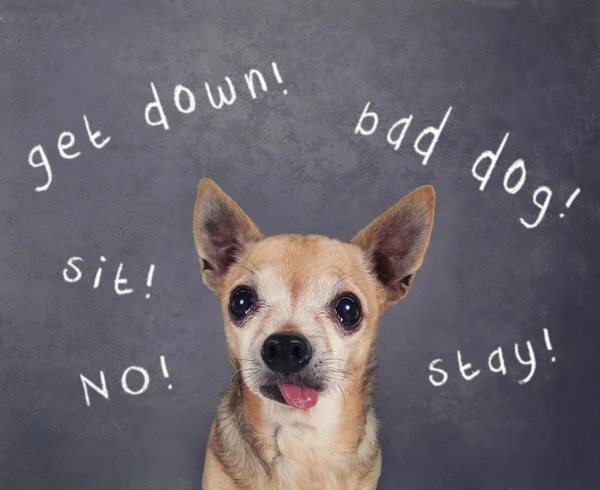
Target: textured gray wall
{"x":294,"y":164}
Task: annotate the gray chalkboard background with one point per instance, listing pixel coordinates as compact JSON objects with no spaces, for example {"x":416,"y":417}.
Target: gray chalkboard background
{"x":294,"y":163}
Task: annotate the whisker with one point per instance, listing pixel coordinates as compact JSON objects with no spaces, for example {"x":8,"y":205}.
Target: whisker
{"x":253,"y":264}
{"x":348,"y":276}
{"x":244,"y":267}
{"x":344,"y":265}
{"x":253,"y":361}
{"x":233,"y":376}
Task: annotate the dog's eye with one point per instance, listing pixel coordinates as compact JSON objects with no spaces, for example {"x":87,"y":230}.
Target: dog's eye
{"x":241,"y":303}
{"x":348,"y":311}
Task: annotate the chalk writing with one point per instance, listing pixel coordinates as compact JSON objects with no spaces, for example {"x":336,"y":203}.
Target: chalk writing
{"x":73,"y":274}
{"x":38,"y":157}
{"x":482,"y":169}
{"x":397,"y":131}
{"x":134,"y":381}
{"x":496,"y":363}
{"x":218,"y":96}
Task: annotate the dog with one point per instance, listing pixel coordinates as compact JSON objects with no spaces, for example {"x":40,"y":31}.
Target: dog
{"x":300,"y":315}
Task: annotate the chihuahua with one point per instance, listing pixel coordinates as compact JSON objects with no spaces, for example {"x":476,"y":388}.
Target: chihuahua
{"x":300,"y":316}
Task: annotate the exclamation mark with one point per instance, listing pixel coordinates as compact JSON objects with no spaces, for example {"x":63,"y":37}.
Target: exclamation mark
{"x":570,"y":201}
{"x":163,"y":365}
{"x":149,"y":278}
{"x":278,"y":76}
{"x":548,"y":344}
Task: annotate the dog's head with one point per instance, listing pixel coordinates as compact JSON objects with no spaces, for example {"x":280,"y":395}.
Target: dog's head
{"x":301,"y":311}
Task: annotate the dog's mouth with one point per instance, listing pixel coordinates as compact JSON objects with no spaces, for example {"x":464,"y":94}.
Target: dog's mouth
{"x":299,"y":396}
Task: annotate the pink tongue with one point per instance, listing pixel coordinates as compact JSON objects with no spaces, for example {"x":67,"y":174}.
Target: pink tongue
{"x":299,"y":396}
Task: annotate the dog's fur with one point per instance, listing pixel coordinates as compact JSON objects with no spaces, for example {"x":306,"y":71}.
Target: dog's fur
{"x":256,"y":442}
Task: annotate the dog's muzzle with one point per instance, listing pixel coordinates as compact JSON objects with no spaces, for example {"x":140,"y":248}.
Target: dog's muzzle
{"x":287,"y":355}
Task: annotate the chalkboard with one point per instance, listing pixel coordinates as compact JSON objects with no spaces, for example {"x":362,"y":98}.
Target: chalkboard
{"x":112,"y":351}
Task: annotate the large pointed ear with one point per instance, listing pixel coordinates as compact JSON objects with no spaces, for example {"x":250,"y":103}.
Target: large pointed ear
{"x":395,"y":242}
{"x":222,"y":231}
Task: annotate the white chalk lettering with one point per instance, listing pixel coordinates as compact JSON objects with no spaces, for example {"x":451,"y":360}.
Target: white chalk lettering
{"x":71,"y":264}
{"x":62,"y":145}
{"x":191,"y":104}
{"x":95,"y":136}
{"x":518,"y":165}
{"x":157,"y":106}
{"x":74,"y":272}
{"x":493,"y":158}
{"x":366,"y":113}
{"x":496,"y":363}
{"x":465,"y":367}
{"x":125,"y":384}
{"x":543,"y":206}
{"x":98,"y":274}
{"x":435,"y":132}
{"x":530,"y":362}
{"x":404,"y":123}
{"x":222,"y":99}
{"x":39,"y":150}
{"x":437,"y":370}
{"x":250,"y":82}
{"x":121,"y":280}
{"x":103,"y":391}
{"x":499,"y":355}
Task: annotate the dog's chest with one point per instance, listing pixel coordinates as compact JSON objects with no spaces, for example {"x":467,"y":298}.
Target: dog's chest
{"x":307,"y":459}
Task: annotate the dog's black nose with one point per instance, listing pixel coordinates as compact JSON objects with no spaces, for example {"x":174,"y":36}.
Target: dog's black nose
{"x":286,"y":353}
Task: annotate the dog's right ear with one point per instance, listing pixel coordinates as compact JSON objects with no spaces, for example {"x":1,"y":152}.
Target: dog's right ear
{"x":222,"y":231}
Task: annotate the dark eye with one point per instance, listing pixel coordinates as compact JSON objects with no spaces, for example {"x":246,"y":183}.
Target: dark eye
{"x":241,"y":303}
{"x":347,"y":309}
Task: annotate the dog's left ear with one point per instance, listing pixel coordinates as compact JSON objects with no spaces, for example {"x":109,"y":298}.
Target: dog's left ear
{"x":222,"y":231}
{"x":395,"y":243}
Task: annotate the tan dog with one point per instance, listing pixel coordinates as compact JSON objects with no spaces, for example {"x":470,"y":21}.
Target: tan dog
{"x":300,"y":319}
